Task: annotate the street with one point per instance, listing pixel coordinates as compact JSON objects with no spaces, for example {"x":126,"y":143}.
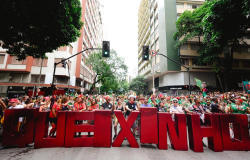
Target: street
{"x":145,"y":152}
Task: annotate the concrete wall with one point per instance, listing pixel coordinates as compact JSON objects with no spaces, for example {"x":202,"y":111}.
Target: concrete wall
{"x":181,"y":78}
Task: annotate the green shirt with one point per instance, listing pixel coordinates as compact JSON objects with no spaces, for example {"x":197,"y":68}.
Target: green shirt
{"x":235,"y":110}
{"x":180,"y":101}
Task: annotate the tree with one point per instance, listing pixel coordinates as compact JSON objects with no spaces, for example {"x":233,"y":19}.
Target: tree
{"x":223,"y":24}
{"x":33,"y":28}
{"x":137,"y":84}
{"x":108,"y":71}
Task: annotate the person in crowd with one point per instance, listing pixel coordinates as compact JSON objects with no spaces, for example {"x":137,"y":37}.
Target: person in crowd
{"x":29,"y":103}
{"x":107,"y":105}
{"x":161,"y":107}
{"x":119,"y":107}
{"x":80,"y":107}
{"x":92,"y":107}
{"x":65,"y":104}
{"x":174,"y":109}
{"x":14,"y":105}
{"x":145,"y":103}
{"x":37,"y":103}
{"x":215,"y":108}
{"x":131,"y":106}
{"x":70,"y":103}
{"x":54,"y":108}
{"x":200,"y":110}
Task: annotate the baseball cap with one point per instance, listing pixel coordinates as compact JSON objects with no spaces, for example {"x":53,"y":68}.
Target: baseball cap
{"x":13,"y":100}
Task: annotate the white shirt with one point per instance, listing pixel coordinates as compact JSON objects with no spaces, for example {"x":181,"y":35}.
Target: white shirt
{"x":175,"y":110}
{"x":17,"y":107}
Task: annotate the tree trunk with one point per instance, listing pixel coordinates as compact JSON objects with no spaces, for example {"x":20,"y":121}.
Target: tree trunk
{"x":39,"y":79}
{"x":226,"y":80}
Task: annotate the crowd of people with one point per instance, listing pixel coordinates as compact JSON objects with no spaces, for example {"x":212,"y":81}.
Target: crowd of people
{"x":216,"y":102}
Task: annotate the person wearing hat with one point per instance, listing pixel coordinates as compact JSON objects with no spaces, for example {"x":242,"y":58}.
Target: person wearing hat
{"x":175,"y":108}
{"x":13,"y":104}
{"x":107,"y":105}
{"x":241,"y":109}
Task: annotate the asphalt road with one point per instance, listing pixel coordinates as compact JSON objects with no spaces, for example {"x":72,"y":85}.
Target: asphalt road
{"x":145,"y":152}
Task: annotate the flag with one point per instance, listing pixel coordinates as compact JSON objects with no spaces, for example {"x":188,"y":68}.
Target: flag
{"x":199,"y":83}
{"x":246,"y":85}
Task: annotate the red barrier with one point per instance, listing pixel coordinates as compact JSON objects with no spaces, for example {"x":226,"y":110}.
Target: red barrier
{"x":11,"y":135}
{"x":71,"y":127}
{"x":177,"y":131}
{"x":126,"y":131}
{"x":196,"y":132}
{"x":149,"y":125}
{"x":241,"y":133}
{"x":42,"y":140}
{"x":102,"y":129}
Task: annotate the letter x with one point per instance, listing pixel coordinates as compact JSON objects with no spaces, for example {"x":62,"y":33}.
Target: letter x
{"x":126,"y":131}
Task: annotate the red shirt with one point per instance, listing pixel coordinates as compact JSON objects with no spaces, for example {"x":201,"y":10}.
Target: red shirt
{"x":93,"y":107}
{"x":57,"y":109}
{"x":79,"y":106}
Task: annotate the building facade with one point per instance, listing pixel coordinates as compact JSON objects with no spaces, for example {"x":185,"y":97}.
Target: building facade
{"x":170,"y":77}
{"x":19,"y":77}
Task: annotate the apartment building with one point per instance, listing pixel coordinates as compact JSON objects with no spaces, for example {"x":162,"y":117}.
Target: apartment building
{"x":19,"y":77}
{"x":169,"y":77}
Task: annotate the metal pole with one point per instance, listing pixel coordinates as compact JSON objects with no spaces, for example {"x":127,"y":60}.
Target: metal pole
{"x":153,"y":79}
{"x":69,"y":78}
{"x":39,"y":78}
{"x":65,"y":60}
{"x":189,"y":82}
{"x":180,"y":65}
{"x":53,"y":79}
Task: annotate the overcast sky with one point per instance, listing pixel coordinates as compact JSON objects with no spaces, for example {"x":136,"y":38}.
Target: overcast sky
{"x":120,"y":18}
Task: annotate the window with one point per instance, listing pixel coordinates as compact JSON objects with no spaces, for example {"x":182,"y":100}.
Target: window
{"x":243,"y":50}
{"x":180,"y":5}
{"x":246,"y":64}
{"x":37,"y":62}
{"x":195,"y":62}
{"x":185,"y":61}
{"x":189,"y":6}
{"x":70,"y":49}
{"x":193,"y":6}
{"x":2,"y":56}
{"x":15,"y":61}
{"x":195,"y":47}
{"x":35,"y":78}
{"x":184,"y":46}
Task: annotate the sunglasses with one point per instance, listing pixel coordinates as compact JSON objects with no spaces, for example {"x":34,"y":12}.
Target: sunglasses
{"x":175,"y":102}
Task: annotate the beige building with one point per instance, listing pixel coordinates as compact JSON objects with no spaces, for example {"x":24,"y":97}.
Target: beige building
{"x":169,"y":77}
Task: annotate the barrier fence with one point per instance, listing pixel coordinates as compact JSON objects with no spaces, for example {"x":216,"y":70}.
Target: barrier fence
{"x":154,"y":129}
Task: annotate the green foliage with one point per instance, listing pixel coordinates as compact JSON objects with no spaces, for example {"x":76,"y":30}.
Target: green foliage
{"x":137,"y":84}
{"x":108,"y":71}
{"x":189,"y":25}
{"x":33,"y":28}
{"x":222,"y":23}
